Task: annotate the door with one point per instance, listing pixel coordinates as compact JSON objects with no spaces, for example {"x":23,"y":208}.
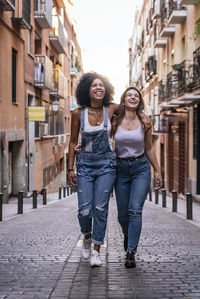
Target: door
{"x":10,"y":170}
{"x":31,"y":148}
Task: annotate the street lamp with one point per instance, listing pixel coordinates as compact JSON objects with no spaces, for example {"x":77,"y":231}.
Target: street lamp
{"x":55,"y":106}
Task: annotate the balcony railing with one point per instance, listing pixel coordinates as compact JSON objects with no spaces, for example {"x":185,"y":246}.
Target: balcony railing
{"x":188,"y":2}
{"x":177,"y":13}
{"x":59,"y":89}
{"x":150,"y":67}
{"x":196,"y":67}
{"x":161,"y":91}
{"x":171,"y":86}
{"x":22,"y":17}
{"x":43,"y":13}
{"x":8,"y":5}
{"x":166,"y":30}
{"x":43,"y":72}
{"x":158,"y":42}
{"x":185,"y":79}
{"x":57,"y":36}
{"x":156,"y":9}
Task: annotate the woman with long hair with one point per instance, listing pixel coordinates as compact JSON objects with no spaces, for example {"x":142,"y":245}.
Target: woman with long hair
{"x":134,"y":151}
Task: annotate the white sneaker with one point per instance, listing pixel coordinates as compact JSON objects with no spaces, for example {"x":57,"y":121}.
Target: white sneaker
{"x":86,"y":248}
{"x":95,"y":259}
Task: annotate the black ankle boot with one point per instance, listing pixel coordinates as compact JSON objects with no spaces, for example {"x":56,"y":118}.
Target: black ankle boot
{"x":130,"y":260}
{"x":125,"y":242}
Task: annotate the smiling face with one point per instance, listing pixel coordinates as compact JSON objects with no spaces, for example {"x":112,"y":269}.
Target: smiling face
{"x":97,"y":90}
{"x":132,"y":99}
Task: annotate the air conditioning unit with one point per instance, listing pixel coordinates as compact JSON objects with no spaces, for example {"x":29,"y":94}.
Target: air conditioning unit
{"x":44,"y":129}
{"x":58,"y":140}
{"x":63,"y":139}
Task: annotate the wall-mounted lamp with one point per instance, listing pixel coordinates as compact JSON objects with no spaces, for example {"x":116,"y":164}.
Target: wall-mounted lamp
{"x":55,"y":106}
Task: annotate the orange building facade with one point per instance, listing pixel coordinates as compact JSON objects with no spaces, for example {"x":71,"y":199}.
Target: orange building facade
{"x":40,"y":63}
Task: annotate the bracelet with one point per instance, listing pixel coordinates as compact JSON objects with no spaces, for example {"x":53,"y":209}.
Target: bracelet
{"x":70,"y":169}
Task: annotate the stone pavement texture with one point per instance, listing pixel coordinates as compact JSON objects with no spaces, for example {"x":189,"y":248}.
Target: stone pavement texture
{"x":40,"y":256}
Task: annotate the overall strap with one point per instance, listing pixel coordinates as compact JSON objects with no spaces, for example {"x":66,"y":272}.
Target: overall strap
{"x":82,"y":119}
{"x":105,"y":118}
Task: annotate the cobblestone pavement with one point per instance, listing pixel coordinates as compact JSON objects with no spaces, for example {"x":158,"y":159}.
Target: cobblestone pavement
{"x":39,"y":257}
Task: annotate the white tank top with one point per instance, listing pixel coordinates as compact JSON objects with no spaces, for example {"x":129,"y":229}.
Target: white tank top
{"x":89,"y":128}
{"x":129,"y":143}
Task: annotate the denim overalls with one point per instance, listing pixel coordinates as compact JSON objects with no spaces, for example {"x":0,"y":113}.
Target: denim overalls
{"x":96,"y":171}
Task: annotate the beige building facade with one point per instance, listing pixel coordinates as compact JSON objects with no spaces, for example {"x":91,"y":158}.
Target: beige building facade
{"x":165,"y":66}
{"x":40,"y":61}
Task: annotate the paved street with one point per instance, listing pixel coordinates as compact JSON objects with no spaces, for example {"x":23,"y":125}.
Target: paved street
{"x":40,"y":257}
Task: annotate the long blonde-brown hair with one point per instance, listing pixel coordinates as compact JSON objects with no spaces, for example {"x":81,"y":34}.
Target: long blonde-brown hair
{"x":121,"y":110}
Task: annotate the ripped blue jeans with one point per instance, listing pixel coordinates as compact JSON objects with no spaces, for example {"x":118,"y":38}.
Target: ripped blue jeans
{"x":95,"y":177}
{"x":131,"y":187}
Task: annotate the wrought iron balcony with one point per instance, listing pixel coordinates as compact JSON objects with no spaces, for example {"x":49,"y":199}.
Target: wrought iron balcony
{"x":171,"y":86}
{"x":8,"y":5}
{"x":57,"y":36}
{"x":22,"y":17}
{"x":158,"y":42}
{"x":156,"y":9}
{"x":150,"y":67}
{"x":147,"y":71}
{"x":184,"y":75}
{"x":166,"y":30}
{"x":59,"y":89}
{"x":177,"y":13}
{"x":43,"y":72}
{"x":43,"y":13}
{"x":196,"y":67}
{"x":161,"y":91}
{"x":187,"y":2}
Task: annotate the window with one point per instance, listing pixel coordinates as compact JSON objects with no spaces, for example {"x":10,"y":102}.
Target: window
{"x":14,"y":66}
{"x":26,"y":10}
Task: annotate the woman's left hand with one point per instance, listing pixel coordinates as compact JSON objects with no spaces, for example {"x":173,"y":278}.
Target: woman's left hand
{"x":158,"y":180}
{"x":145,"y":121}
{"x":78,"y":148}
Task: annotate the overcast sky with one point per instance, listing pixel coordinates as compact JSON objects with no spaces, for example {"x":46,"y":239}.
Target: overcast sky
{"x":103,"y":29}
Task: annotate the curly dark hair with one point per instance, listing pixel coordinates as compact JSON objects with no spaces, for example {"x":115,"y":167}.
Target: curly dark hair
{"x":83,"y":88}
{"x":121,"y":110}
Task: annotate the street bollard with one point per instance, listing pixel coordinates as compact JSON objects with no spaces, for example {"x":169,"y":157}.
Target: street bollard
{"x":20,"y":202}
{"x":64,"y":193}
{"x":67,"y":190}
{"x":70,"y":189}
{"x":60,"y":193}
{"x":174,"y":201}
{"x":156,"y":195}
{"x":150,"y":194}
{"x":44,"y":195}
{"x":164,"y":203}
{"x":34,"y":199}
{"x":1,"y":206}
{"x":189,"y":206}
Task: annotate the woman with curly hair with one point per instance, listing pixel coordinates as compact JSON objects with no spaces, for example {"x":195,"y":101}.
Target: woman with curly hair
{"x":134,"y":151}
{"x":96,"y":163}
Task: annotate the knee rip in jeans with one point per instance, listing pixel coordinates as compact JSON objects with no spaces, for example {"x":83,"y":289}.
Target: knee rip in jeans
{"x":100,"y":208}
{"x":135,"y":213}
{"x":85,"y":212}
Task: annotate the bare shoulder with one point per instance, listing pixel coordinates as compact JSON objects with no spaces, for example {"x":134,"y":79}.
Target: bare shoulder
{"x":76,"y":113}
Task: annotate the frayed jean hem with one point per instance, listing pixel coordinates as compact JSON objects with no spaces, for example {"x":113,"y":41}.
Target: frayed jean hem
{"x":97,"y":242}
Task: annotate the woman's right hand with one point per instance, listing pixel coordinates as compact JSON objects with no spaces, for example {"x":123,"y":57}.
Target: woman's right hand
{"x":72,"y":178}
